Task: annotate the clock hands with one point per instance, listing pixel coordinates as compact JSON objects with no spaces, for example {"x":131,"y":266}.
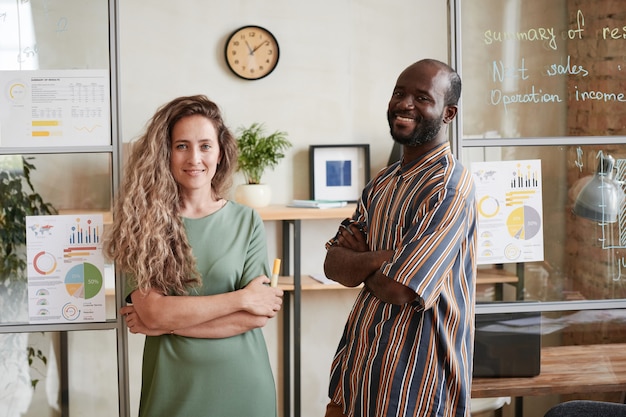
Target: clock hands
{"x":260,"y":45}
{"x":250,"y":50}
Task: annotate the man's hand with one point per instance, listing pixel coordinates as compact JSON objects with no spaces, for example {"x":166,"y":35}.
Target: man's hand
{"x":390,"y":291}
{"x":349,"y":260}
{"x":352,"y":236}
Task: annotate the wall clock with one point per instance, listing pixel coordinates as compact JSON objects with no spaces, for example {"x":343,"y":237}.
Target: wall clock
{"x":251,"y":52}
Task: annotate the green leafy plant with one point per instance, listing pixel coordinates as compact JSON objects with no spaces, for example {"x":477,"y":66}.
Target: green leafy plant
{"x":259,"y":152}
{"x":35,"y":353}
{"x":19,"y":200}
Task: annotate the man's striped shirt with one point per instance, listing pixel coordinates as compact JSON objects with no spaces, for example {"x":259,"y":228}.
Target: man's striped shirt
{"x":414,"y":359}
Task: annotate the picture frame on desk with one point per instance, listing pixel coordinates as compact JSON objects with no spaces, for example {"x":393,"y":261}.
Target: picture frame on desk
{"x":338,"y":172}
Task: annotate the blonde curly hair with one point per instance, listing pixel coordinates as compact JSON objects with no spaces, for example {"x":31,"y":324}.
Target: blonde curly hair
{"x":147,"y":240}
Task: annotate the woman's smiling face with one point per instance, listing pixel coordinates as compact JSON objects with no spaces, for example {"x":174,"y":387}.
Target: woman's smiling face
{"x":195,"y":153}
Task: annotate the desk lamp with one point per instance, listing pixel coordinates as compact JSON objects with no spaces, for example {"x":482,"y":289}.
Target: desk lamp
{"x":601,"y":198}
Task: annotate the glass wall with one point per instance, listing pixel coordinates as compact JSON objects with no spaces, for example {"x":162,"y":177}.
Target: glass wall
{"x":27,"y":178}
{"x":58,"y":148}
{"x":541,"y":125}
{"x":51,"y":374}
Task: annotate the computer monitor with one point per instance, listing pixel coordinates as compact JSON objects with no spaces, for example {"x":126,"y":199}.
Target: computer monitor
{"x":507,"y":344}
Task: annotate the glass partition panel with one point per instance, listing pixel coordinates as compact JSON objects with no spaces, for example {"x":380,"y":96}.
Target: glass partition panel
{"x":92,"y":373}
{"x":583,"y":244}
{"x":40,"y":185}
{"x":51,"y":374}
{"x":537,"y":69}
{"x":62,"y":34}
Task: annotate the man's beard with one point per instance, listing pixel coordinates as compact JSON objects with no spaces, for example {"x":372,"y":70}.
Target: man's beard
{"x":423,"y":133}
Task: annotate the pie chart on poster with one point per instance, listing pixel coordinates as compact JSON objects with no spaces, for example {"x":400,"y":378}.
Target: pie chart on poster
{"x":83,"y":281}
{"x":524,"y":223}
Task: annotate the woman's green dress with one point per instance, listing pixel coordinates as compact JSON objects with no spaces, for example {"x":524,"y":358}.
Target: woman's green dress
{"x":228,"y":377}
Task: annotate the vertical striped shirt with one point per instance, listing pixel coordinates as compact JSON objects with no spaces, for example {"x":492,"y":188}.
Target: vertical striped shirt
{"x":409,"y":360}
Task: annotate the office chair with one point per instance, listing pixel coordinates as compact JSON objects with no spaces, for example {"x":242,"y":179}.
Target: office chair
{"x":587,"y":408}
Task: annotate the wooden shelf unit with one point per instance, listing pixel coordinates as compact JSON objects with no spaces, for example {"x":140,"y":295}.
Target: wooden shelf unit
{"x":293,"y":284}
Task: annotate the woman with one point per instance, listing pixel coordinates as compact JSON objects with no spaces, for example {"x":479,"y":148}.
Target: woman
{"x":197,"y":270}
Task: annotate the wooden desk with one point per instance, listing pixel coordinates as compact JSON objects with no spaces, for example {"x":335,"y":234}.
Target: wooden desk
{"x":564,"y":370}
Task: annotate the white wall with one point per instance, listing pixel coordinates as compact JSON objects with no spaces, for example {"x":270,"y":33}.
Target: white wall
{"x":339,"y":60}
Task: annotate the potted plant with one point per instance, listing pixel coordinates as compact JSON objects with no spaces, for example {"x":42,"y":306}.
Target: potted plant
{"x":19,"y":199}
{"x":258,"y":152}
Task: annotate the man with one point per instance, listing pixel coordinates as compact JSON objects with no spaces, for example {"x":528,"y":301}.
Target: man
{"x":408,"y":342}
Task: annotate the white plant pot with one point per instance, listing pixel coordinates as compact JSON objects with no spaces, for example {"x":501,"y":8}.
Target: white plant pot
{"x":253,"y":195}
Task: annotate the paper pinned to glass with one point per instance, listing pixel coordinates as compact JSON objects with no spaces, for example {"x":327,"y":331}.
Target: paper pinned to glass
{"x":65,"y":268}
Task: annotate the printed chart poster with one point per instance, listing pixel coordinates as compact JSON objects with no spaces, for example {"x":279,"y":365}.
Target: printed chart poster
{"x":65,"y":268}
{"x":510,"y":217}
{"x":51,"y":108}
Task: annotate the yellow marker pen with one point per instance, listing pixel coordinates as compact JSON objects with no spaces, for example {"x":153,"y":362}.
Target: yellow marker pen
{"x":275,"y":272}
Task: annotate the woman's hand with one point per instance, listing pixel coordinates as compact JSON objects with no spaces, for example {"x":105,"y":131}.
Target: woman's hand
{"x":256,"y":300}
{"x":260,"y":299}
{"x":134,"y":323}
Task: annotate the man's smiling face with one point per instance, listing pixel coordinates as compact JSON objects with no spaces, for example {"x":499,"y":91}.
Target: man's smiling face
{"x":417,"y":105}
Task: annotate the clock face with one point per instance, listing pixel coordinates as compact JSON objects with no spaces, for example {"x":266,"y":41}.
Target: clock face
{"x":251,"y":52}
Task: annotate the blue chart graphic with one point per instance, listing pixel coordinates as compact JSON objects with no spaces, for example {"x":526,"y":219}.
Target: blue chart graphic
{"x":80,"y":234}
